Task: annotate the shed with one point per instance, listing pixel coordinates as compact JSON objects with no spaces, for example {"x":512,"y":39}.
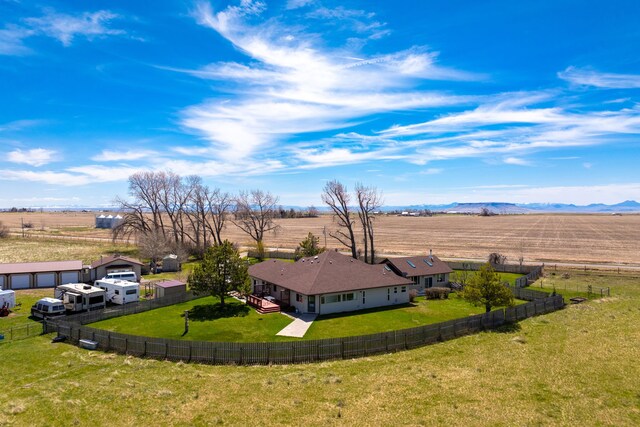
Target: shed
{"x":7,"y":297}
{"x":170,"y":263}
{"x":170,"y":288}
{"x":24,"y":275}
{"x":114,"y":264}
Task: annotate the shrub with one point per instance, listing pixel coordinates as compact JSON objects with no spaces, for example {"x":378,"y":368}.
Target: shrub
{"x":4,"y":231}
{"x":412,"y":295}
{"x":437,"y":293}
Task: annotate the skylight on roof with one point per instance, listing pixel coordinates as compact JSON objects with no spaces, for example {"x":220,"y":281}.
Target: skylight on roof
{"x":429,"y":263}
{"x":411,"y":264}
{"x":386,"y":267}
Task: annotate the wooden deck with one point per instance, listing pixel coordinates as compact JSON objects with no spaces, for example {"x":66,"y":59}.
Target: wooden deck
{"x":262,"y":306}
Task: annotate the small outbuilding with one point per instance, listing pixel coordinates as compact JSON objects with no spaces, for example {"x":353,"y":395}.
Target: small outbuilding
{"x":170,"y":288}
{"x":108,"y":221}
{"x":170,"y":263}
{"x":114,"y":264}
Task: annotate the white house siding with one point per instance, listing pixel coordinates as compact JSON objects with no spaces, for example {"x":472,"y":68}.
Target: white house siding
{"x":69,"y":277}
{"x":20,"y":281}
{"x":45,"y":280}
{"x":377,"y":297}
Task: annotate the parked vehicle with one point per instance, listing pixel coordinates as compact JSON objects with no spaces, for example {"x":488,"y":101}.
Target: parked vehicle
{"x":47,"y":307}
{"x":122,"y":275}
{"x":7,"y":298}
{"x":119,"y":291}
{"x":80,"y":297}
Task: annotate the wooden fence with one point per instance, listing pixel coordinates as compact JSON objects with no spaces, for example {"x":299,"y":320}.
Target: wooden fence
{"x":264,"y":353}
{"x":531,"y":272}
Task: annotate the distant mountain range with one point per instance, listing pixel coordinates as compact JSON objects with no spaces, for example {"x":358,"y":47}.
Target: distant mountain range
{"x":522,"y":208}
{"x":629,"y":206}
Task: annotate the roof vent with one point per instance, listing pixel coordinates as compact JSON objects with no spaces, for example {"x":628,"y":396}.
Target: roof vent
{"x":315,"y":257}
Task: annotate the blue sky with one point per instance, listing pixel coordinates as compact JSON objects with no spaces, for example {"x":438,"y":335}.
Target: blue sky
{"x":430,"y":101}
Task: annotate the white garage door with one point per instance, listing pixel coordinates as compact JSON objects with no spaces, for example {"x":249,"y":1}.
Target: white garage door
{"x":20,"y":281}
{"x":69,"y":277}
{"x":2,"y":282}
{"x":46,"y":280}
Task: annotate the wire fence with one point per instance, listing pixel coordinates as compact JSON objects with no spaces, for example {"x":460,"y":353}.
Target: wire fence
{"x":304,"y":351}
{"x":20,"y":332}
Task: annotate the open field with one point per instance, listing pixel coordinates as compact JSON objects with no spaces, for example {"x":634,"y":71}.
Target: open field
{"x":599,"y":239}
{"x":577,"y":366}
{"x":51,"y":249}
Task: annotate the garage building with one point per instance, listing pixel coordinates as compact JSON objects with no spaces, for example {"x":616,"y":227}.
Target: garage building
{"x":25,"y":275}
{"x":115,"y":264}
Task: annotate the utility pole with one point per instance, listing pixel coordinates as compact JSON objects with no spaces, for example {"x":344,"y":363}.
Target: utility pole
{"x":22,"y":225}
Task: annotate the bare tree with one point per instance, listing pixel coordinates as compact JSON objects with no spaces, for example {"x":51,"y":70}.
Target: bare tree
{"x":254,"y":213}
{"x":153,"y":245}
{"x":369,"y":200}
{"x":335,"y":195}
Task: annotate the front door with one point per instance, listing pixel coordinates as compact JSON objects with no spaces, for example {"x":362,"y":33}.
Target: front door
{"x":429,"y":282}
{"x":311,"y":304}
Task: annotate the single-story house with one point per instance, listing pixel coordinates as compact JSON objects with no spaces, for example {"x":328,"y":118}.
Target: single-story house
{"x":424,"y":271}
{"x":328,"y":283}
{"x":169,"y":288}
{"x":25,"y":275}
{"x":114,"y":264}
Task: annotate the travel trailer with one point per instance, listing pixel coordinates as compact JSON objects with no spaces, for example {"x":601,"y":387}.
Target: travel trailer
{"x":122,"y":275}
{"x":7,"y":298}
{"x":47,"y":307}
{"x":80,"y":297}
{"x":119,"y":291}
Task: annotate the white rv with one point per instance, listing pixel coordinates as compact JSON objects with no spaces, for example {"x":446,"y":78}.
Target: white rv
{"x":122,"y":275}
{"x":119,"y":291}
{"x":80,"y":297}
{"x":47,"y":307}
{"x":7,"y":298}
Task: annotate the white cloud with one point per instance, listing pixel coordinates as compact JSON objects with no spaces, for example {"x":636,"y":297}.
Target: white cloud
{"x":516,"y":161}
{"x":296,"y":4}
{"x":66,"y":27}
{"x":33,"y":157}
{"x":11,"y":40}
{"x":587,"y":165}
{"x":125,"y":155}
{"x":587,"y":77}
{"x":293,"y":87}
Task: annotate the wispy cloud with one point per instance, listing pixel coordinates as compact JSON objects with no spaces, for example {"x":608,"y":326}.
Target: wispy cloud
{"x":33,"y":157}
{"x":63,"y":27}
{"x":516,"y":161}
{"x":291,"y":86}
{"x":587,"y":77}
{"x":296,"y":4}
{"x":125,"y":155}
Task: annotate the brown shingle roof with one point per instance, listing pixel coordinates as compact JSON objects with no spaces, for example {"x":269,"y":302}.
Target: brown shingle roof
{"x":422,"y":268}
{"x":109,"y":259}
{"x":327,"y":273}
{"x":170,"y":283}
{"x":40,"y":267}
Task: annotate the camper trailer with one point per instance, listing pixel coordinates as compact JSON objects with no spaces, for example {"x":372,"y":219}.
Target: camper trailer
{"x":7,"y":298}
{"x":80,"y":297}
{"x":122,"y":275}
{"x":47,"y":307}
{"x":119,"y":291}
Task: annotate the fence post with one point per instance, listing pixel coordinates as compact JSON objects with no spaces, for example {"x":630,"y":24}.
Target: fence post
{"x":342,"y":347}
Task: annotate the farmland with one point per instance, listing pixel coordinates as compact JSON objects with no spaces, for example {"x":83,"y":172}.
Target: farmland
{"x":599,"y":239}
{"x":577,"y":366}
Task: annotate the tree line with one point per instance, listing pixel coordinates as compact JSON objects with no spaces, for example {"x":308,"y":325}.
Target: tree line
{"x":165,"y":211}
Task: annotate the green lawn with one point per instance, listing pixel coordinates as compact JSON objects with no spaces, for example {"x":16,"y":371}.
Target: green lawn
{"x":571,"y":284}
{"x":168,"y":322}
{"x":421,"y":312}
{"x":25,"y":298}
{"x":574,"y":367}
{"x":178,"y":275}
{"x":504,"y":277}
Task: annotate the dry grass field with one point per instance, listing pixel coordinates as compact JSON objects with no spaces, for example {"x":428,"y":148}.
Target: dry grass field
{"x":599,"y":239}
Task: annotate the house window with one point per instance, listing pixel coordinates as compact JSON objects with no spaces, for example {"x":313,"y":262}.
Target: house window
{"x":298,"y":297}
{"x":330,"y":299}
{"x":416,"y":279}
{"x":255,"y":282}
{"x":395,"y":290}
{"x":403,"y":289}
{"x":440,"y":278}
{"x":388,"y":294}
{"x":275,"y":288}
{"x":348,"y":297}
